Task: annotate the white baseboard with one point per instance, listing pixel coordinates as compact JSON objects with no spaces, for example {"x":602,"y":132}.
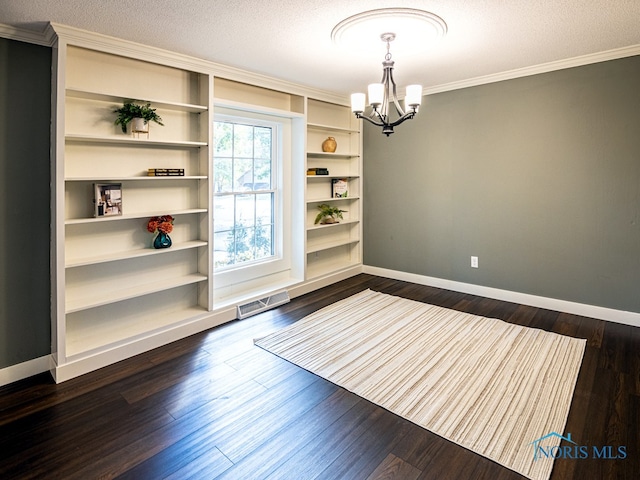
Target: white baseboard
{"x":24,"y":370}
{"x":315,"y":284}
{"x":592,"y":311}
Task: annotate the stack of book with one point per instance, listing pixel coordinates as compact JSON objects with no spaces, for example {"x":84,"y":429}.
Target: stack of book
{"x":317,"y":171}
{"x":166,"y":172}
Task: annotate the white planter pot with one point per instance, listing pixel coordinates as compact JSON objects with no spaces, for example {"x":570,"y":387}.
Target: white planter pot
{"x":138,"y":125}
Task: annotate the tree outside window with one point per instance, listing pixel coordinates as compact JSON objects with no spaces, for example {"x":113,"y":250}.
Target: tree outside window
{"x":245,"y":193}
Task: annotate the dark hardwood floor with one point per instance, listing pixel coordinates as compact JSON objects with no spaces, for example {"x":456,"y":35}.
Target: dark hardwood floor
{"x":215,"y":406}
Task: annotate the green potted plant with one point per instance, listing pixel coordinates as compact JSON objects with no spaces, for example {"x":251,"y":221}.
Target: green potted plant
{"x":138,"y":115}
{"x":328,"y":214}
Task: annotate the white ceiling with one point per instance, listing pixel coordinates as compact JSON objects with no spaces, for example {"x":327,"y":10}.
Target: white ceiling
{"x":291,"y":39}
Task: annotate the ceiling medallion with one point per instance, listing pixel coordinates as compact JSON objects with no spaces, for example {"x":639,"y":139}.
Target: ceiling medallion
{"x":415,"y":29}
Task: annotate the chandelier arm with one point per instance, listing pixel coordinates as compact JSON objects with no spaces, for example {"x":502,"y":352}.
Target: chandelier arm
{"x":384,"y":113}
{"x":383,"y":123}
{"x":381,"y":114}
{"x":399,"y":109}
{"x":406,"y":116}
{"x":371,"y":120}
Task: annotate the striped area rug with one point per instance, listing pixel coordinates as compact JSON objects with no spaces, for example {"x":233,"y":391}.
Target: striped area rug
{"x":487,"y":385}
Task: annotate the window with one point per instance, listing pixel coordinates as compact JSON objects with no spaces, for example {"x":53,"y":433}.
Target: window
{"x":256,"y":245}
{"x":246,"y":199}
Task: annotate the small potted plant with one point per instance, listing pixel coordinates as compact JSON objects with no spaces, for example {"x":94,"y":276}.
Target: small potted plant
{"x":328,"y":214}
{"x":138,"y":115}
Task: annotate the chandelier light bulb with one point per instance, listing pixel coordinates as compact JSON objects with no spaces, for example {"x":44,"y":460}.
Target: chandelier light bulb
{"x":413,"y":98}
{"x":376,"y":94}
{"x":358,"y":101}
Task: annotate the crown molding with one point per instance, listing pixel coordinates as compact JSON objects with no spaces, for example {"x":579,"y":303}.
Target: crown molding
{"x":537,"y":69}
{"x":45,"y":38}
{"x":126,"y":48}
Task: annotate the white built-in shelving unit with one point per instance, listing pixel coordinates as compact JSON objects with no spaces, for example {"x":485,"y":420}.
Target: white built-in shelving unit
{"x":335,"y":247}
{"x":113,"y":294}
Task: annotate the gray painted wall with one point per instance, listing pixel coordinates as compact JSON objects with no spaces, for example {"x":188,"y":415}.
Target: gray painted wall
{"x":539,"y":177}
{"x":25,"y":112}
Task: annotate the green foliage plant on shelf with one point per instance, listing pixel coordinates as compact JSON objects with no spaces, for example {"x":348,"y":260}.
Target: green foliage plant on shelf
{"x":131,"y":110}
{"x":328,"y":214}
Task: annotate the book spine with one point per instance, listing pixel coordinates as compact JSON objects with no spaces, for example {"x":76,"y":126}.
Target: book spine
{"x":164,"y":172}
{"x":317,"y":171}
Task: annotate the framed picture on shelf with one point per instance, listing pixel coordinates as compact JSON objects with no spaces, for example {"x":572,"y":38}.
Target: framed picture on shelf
{"x":339,"y":188}
{"x":108,"y":199}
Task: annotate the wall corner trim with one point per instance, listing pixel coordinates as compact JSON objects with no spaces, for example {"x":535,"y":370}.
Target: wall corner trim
{"x":574,"y":308}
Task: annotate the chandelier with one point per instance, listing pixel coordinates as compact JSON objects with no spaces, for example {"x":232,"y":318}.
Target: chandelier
{"x":383,"y":95}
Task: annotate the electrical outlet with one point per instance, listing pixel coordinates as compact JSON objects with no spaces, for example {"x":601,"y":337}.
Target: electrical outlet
{"x":474,"y":262}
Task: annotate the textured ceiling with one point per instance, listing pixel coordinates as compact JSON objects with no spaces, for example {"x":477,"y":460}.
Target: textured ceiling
{"x":291,"y":39}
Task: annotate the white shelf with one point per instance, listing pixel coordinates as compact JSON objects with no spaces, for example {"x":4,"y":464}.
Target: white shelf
{"x":331,"y":225}
{"x":326,"y":246}
{"x":106,"y":97}
{"x":143,"y":252}
{"x":325,"y":177}
{"x":331,"y":155}
{"x":124,"y":140}
{"x":331,"y":199}
{"x":330,"y":128}
{"x":76,"y":221}
{"x":97,"y":300}
{"x":136,"y":178}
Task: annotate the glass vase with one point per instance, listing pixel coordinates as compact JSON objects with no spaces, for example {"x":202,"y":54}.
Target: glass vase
{"x":162,"y":240}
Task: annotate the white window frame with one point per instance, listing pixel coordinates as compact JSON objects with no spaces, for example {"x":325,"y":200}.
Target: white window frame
{"x":281,"y":183}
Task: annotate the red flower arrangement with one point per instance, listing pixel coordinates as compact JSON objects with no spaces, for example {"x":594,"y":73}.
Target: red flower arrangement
{"x":162,"y":224}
